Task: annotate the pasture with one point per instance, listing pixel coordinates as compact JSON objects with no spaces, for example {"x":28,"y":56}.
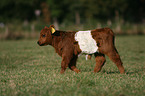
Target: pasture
{"x":27,"y":69}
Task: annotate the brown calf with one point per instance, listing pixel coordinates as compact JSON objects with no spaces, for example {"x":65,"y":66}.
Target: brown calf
{"x":69,"y":44}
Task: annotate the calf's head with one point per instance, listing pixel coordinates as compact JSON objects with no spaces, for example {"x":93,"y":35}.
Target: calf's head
{"x":46,"y":36}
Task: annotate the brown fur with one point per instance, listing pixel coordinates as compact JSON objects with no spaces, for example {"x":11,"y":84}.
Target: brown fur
{"x":67,"y":47}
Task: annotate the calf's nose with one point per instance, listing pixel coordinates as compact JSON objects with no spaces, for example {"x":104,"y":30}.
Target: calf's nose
{"x":38,"y":42}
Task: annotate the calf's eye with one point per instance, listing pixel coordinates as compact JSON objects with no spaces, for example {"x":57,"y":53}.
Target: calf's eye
{"x":43,"y":35}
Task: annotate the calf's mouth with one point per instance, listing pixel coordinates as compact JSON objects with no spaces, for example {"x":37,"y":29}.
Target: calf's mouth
{"x":40,"y":44}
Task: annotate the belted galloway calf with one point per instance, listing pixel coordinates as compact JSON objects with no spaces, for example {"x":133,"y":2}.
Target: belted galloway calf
{"x":69,"y":44}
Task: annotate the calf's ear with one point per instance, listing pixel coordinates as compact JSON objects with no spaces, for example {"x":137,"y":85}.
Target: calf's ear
{"x":52,"y":26}
{"x":52,"y":29}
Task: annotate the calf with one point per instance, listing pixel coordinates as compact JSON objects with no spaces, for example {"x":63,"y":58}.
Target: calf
{"x":69,"y":44}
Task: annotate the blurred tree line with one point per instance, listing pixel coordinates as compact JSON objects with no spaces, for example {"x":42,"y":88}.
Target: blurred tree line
{"x":77,"y":11}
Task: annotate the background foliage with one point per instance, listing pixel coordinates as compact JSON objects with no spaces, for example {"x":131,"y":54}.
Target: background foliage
{"x":130,"y":10}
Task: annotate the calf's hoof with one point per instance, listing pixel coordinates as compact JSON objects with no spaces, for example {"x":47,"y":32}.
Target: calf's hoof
{"x":76,"y":70}
{"x":62,"y":71}
{"x":122,"y":71}
{"x":96,"y":70}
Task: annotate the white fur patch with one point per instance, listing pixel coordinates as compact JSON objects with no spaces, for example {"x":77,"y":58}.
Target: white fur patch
{"x":86,"y":42}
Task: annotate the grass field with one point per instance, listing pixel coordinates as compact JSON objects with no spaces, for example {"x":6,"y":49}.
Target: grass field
{"x":27,"y":69}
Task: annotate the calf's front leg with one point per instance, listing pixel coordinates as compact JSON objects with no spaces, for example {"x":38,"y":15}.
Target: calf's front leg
{"x":64,"y":64}
{"x":72,"y":64}
{"x":66,"y":60}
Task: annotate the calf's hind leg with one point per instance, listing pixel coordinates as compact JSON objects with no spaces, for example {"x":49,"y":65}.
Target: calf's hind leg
{"x":114,"y":56}
{"x":100,"y":60}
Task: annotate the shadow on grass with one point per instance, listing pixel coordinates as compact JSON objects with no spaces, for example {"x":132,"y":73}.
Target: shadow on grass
{"x":110,"y":72}
{"x":126,"y":72}
{"x":133,"y":72}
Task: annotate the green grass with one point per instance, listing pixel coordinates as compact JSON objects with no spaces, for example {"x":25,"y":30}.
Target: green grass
{"x":27,"y":69}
